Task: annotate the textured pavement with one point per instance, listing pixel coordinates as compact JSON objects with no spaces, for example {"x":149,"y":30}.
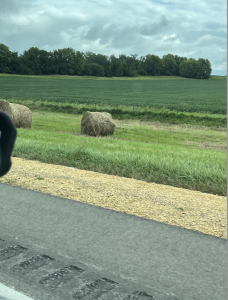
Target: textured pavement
{"x":56,"y":248}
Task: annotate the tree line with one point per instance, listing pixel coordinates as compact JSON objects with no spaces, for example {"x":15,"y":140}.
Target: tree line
{"x":67,"y":61}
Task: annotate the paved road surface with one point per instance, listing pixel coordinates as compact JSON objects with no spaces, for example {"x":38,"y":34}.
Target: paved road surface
{"x":59,"y":249}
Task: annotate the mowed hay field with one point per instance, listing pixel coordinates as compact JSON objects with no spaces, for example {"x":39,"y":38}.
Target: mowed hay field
{"x":170,"y":172}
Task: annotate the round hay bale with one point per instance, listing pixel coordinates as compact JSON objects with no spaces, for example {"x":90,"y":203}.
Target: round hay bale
{"x":19,"y":114}
{"x":97,"y":123}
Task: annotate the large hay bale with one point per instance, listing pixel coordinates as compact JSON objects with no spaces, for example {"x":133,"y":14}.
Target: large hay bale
{"x":19,"y":114}
{"x":97,"y":123}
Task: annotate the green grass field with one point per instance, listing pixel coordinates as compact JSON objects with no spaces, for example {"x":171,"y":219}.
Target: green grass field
{"x":174,"y":93}
{"x":186,"y":155}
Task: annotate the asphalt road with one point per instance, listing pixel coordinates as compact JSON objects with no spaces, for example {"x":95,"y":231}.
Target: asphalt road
{"x":53,"y":248}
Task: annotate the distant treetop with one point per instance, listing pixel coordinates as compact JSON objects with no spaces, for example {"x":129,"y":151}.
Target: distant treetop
{"x":68,"y":61}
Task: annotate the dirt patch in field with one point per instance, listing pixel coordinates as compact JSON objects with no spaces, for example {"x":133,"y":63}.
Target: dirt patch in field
{"x":161,"y":126}
{"x":208,"y":145}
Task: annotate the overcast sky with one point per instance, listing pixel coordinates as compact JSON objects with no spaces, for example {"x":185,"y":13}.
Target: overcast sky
{"x":191,"y":28}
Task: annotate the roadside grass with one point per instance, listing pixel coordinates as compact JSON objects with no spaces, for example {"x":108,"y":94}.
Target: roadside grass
{"x":186,"y":156}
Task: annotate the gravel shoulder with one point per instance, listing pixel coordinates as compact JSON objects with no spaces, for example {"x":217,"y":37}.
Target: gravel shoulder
{"x":174,"y":206}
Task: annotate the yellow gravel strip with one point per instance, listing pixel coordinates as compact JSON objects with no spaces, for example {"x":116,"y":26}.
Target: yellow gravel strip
{"x":175,"y":206}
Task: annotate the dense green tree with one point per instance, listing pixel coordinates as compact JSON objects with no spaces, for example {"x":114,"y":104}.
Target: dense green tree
{"x":190,"y":68}
{"x":31,"y":61}
{"x":170,"y":65}
{"x":104,"y":61}
{"x":46,"y":62}
{"x":101,"y":60}
{"x":130,"y":65}
{"x":117,"y":66}
{"x":57,"y":60}
{"x":204,"y":69}
{"x":36,"y":62}
{"x":15,"y":67}
{"x":23,"y":65}
{"x":123,"y":57}
{"x":179,"y":60}
{"x":87,"y":70}
{"x":79,"y":63}
{"x":141,"y":66}
{"x":199,"y":69}
{"x":97,"y":70}
{"x":153,"y":65}
{"x":90,"y":57}
{"x":5,"y":59}
{"x":67,"y":61}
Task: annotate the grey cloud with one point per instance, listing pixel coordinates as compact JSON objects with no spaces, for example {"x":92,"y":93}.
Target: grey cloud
{"x":125,"y":37}
{"x":94,"y":33}
{"x":213,"y":25}
{"x":189,"y":36}
{"x":111,"y":34}
{"x":136,"y":28}
{"x":14,"y":6}
{"x":47,"y":30}
{"x":108,"y":34}
{"x":172,"y":39}
{"x":154,"y":28}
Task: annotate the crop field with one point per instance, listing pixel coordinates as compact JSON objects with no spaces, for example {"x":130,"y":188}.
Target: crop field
{"x":174,"y":93}
{"x":181,"y":153}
